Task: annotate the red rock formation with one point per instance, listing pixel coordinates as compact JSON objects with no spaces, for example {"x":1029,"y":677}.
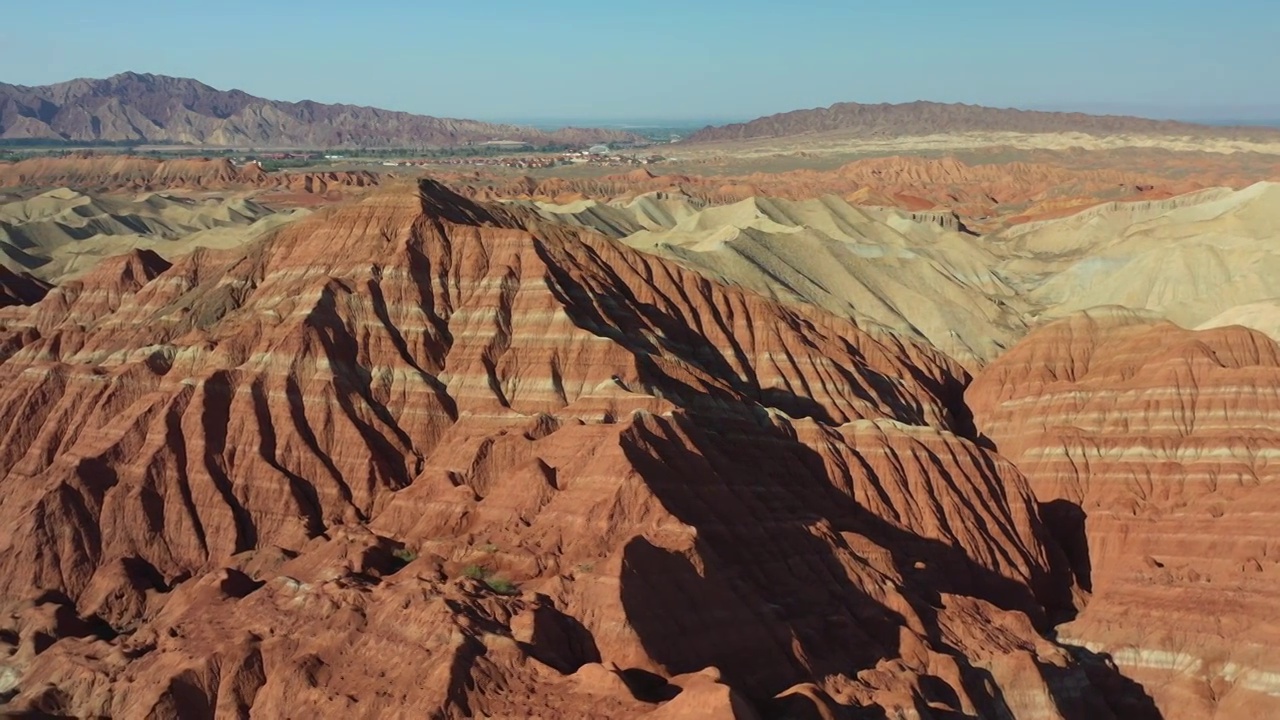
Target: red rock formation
{"x":1154,"y":448}
{"x":422,"y":455}
{"x":91,"y":169}
{"x":95,"y":172}
{"x":983,"y":195}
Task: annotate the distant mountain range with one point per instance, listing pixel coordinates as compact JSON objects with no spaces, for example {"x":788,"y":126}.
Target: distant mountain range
{"x":144,"y":108}
{"x":928,"y":118}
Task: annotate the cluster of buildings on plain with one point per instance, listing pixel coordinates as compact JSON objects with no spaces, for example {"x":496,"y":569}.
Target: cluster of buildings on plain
{"x":594,"y":155}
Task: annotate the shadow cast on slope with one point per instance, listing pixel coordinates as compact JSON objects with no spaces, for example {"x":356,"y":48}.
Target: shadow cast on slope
{"x":768,"y":588}
{"x":664,"y":329}
{"x":1066,"y":523}
{"x":775,"y":602}
{"x":772,"y":593}
{"x":1129,"y":699}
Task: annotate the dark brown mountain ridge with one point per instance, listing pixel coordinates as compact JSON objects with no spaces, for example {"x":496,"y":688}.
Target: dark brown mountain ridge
{"x":162,"y":109}
{"x":927,"y":118}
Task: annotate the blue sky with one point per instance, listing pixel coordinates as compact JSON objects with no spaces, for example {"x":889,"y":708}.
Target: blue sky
{"x":709,"y":59}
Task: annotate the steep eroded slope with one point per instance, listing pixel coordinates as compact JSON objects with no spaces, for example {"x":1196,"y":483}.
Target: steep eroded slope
{"x":1154,"y":448}
{"x":419,"y":454}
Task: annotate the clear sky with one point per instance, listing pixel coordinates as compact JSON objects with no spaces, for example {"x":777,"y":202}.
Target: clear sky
{"x":693,"y":59}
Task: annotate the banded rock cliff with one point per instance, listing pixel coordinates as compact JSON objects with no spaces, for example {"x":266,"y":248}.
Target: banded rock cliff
{"x":97,"y":172}
{"x":418,"y":455}
{"x":1153,"y":448}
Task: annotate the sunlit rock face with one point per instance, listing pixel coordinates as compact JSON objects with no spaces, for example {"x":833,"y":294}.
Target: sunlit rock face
{"x":1154,"y":450}
{"x":418,"y":455}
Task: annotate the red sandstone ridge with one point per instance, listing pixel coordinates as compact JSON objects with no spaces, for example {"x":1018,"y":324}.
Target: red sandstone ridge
{"x":89,"y":171}
{"x":1154,"y":448}
{"x":978,"y":193}
{"x":420,"y":455}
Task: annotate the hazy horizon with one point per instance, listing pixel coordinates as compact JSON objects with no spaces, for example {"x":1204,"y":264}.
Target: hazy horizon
{"x":666,"y":62}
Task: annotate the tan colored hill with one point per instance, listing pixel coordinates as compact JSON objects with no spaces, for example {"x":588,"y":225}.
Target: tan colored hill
{"x":930,"y":118}
{"x":620,"y":218}
{"x":1187,"y":259}
{"x":160,"y":109}
{"x":62,"y":233}
{"x":1263,"y":316}
{"x":884,"y":269}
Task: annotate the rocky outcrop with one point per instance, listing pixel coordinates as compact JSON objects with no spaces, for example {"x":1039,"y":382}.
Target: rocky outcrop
{"x":423,"y":455}
{"x":137,"y":107}
{"x":945,"y":219}
{"x":1152,"y":449}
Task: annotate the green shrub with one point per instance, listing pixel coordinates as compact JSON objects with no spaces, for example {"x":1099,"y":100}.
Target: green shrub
{"x":502,"y":586}
{"x":404,"y":555}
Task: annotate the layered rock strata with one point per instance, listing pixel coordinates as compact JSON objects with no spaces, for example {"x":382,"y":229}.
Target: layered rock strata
{"x":99,"y":172}
{"x":1153,"y":449}
{"x":420,"y":455}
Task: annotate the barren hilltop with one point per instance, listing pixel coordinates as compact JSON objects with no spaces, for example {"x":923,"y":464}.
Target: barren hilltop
{"x":162,"y":109}
{"x":928,"y":118}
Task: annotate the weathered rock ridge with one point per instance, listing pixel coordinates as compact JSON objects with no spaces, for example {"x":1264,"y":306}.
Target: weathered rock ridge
{"x":422,"y":455}
{"x":1154,"y":449}
{"x":96,"y":171}
{"x":983,"y":195}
